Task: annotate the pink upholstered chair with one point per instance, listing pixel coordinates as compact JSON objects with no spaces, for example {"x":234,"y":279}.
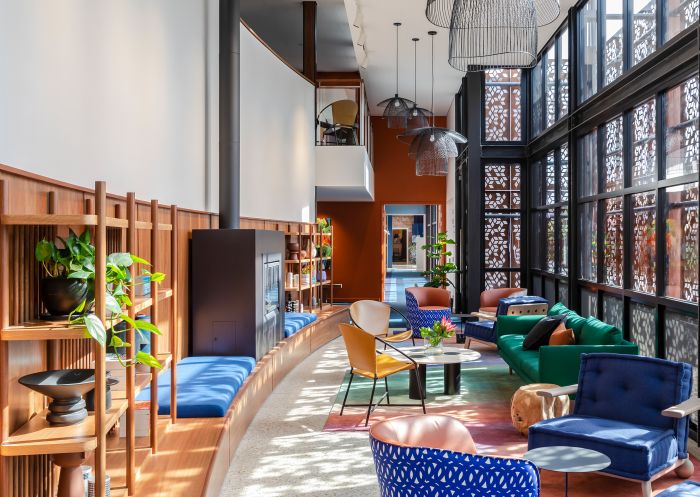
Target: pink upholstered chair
{"x":488,"y":301}
{"x":425,"y":305}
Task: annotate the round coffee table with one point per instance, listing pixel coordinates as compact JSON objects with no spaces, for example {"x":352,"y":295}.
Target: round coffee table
{"x":451,"y":358}
{"x":567,"y":460}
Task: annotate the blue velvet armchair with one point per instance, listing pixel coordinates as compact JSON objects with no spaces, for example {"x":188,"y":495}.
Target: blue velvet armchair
{"x":434,"y":456}
{"x":632,"y":409}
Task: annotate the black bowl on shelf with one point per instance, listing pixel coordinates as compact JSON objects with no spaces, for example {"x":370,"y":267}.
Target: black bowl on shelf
{"x":66,"y":387}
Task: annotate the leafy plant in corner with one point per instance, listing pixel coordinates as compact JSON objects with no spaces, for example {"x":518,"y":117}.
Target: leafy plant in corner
{"x":119,"y":279}
{"x":439,"y":252}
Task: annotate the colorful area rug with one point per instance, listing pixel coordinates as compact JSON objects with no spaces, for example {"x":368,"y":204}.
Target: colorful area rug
{"x":484,"y":407}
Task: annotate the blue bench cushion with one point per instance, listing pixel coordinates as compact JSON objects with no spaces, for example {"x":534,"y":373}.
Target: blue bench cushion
{"x":636,"y":451}
{"x":294,"y":321}
{"x":481,"y":330}
{"x":206,"y":385}
{"x":505,"y":303}
{"x":685,"y":489}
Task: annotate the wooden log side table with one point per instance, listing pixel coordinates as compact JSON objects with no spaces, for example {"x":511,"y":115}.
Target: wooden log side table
{"x":527,"y":408}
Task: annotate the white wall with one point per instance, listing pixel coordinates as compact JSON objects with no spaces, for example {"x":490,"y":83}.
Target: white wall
{"x":112,"y":90}
{"x":126,"y":91}
{"x":277,"y":137}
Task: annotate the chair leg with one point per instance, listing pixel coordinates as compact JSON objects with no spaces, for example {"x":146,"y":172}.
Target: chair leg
{"x":386,"y":385}
{"x":345,"y":399}
{"x":646,"y":489}
{"x":413,"y":340}
{"x":371,"y":401}
{"x":510,"y":370}
{"x":685,"y":470}
{"x":468,"y":343}
{"x":420,"y":389}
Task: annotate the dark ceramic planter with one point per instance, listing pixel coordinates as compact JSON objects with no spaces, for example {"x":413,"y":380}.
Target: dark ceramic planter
{"x":66,"y":387}
{"x":61,"y":296}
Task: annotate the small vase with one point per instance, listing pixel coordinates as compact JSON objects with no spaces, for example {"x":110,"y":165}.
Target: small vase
{"x":433,"y":349}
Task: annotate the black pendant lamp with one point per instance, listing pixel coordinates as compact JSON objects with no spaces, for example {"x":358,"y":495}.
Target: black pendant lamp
{"x":396,"y":109}
{"x":418,"y":117}
{"x":432,"y":147}
{"x":439,"y":12}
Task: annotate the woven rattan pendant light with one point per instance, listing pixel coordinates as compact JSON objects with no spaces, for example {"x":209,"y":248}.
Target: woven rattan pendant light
{"x":418,"y":117}
{"x":439,"y":12}
{"x":432,"y":147}
{"x":396,"y":108}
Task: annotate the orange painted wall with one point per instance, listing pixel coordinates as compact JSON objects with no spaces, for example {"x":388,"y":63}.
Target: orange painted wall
{"x":357,"y":226}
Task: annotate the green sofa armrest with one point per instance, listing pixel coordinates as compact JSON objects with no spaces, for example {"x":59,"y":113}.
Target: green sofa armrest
{"x":515,"y":325}
{"x":560,"y":364}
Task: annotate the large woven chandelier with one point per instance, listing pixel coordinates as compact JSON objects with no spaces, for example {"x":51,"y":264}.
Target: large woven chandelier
{"x":492,"y":33}
{"x":432,"y":147}
{"x":396,"y":108}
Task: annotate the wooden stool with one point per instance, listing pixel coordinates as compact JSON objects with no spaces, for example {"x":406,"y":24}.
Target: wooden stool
{"x":527,"y":408}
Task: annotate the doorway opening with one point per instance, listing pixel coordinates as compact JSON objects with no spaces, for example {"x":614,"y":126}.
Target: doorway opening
{"x":407,"y":228}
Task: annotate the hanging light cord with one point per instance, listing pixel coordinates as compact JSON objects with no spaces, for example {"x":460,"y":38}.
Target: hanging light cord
{"x":432,"y":75}
{"x":415,"y":70}
{"x":397,"y":58}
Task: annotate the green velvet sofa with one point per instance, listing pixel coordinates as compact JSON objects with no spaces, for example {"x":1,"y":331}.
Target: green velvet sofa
{"x":556,"y":364}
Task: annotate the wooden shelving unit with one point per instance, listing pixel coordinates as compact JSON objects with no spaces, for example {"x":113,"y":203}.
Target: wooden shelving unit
{"x":36,"y":436}
{"x":315,"y":291}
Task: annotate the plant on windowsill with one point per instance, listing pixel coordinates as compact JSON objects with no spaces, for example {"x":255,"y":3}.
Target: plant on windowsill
{"x":435,"y":335}
{"x":438,"y":251}
{"x":119,"y":279}
{"x":60,"y":293}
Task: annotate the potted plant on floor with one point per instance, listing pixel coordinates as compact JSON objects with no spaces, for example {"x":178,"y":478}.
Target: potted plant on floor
{"x":65,"y":284}
{"x":438,"y":251}
{"x":436,"y":334}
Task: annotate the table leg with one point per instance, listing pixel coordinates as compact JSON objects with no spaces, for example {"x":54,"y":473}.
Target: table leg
{"x":566,"y":484}
{"x":413,"y":391}
{"x":452,"y":378}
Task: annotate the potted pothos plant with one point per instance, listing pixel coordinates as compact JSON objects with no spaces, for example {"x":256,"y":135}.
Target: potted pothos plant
{"x":119,"y":279}
{"x":59,"y":292}
{"x":439,"y":252}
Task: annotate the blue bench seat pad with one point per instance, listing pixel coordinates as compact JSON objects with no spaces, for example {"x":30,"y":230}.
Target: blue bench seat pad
{"x":481,"y":330}
{"x":294,"y":321}
{"x":637,"y":451}
{"x":206,"y":385}
{"x":685,"y":489}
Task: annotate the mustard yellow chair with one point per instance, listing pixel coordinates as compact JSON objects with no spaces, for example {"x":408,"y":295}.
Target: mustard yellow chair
{"x":366,"y":361}
{"x":373,"y":317}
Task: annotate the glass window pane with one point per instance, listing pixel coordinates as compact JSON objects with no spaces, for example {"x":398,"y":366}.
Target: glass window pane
{"x":563,"y":42}
{"x":549,"y":290}
{"x":682,"y":105}
{"x":644,"y":242}
{"x":550,"y":79}
{"x":563,"y":296}
{"x":501,"y":186}
{"x":612,"y":137}
{"x":588,"y":160}
{"x":643,"y":30}
{"x":502,"y":116}
{"x":536,"y":99}
{"x":612,"y":310}
{"x":501,"y":279}
{"x":643,"y":328}
{"x":588,"y":41}
{"x":682,"y":242}
{"x":680,"y":15}
{"x":612,"y":245}
{"x":614,"y":37}
{"x":563,"y":242}
{"x":682,"y":342}
{"x":550,"y":180}
{"x":536,"y":252}
{"x":644,"y":136}
{"x":549,"y":241}
{"x":588,"y":226}
{"x":502,"y":241}
{"x":537,"y":183}
{"x":564,"y":173}
{"x":589,"y":303}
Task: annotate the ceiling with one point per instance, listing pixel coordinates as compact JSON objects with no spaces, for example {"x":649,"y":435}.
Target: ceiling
{"x":375,"y":20}
{"x":350,"y":32}
{"x":280,"y":24}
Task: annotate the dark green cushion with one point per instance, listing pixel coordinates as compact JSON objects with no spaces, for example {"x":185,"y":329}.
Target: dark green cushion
{"x":518,"y":325}
{"x":573,"y":320}
{"x":558,"y":308}
{"x":596,"y":332}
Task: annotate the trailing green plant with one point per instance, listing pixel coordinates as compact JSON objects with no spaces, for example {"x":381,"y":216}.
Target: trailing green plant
{"x":77,"y":256}
{"x":438,"y":251}
{"x":119,"y":280}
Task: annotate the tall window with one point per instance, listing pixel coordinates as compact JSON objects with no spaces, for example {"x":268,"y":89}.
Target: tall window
{"x":643,"y":29}
{"x":502,"y":225}
{"x":588,"y":41}
{"x":536,"y":99}
{"x":680,"y":15}
{"x":502,"y":104}
{"x":614,"y":41}
{"x":550,"y":85}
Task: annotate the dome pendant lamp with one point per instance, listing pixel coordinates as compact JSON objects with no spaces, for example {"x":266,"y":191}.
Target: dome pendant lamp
{"x":439,"y":12}
{"x":396,"y":108}
{"x":432,"y":147}
{"x":417,"y":116}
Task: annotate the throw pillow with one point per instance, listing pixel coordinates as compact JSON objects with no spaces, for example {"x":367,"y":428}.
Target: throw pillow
{"x":596,"y":332}
{"x":558,"y":308}
{"x":562,"y":336}
{"x":540,"y":333}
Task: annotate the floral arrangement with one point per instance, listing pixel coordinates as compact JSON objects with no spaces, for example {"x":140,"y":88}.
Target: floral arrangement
{"x":440,"y":330}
